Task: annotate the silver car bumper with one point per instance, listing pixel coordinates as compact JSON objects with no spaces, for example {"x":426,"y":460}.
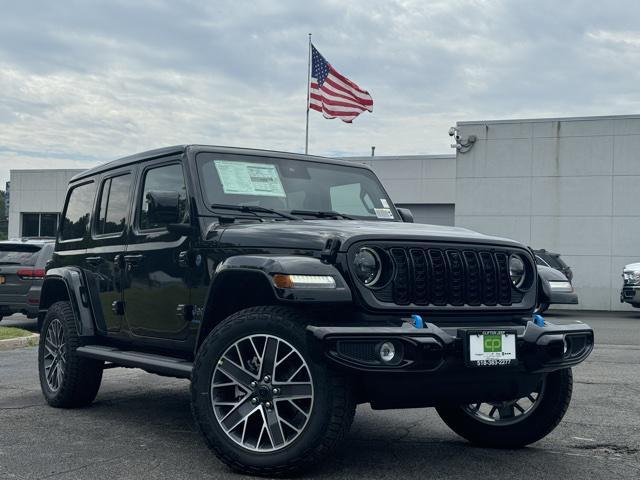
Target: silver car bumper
{"x":631,"y":294}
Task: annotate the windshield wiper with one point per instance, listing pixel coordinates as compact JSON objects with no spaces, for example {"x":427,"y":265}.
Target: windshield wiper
{"x":322,"y":214}
{"x":253,"y":209}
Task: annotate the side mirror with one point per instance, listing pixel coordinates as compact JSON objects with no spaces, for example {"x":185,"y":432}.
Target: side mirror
{"x":405,"y":215}
{"x":163,"y":208}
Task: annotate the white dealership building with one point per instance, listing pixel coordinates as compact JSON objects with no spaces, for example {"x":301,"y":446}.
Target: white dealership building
{"x":568,"y":185}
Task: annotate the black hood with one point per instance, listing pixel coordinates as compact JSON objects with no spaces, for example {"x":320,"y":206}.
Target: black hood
{"x":313,"y":234}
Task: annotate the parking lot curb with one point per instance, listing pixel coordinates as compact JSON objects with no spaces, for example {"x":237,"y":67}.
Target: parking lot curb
{"x":11,"y":343}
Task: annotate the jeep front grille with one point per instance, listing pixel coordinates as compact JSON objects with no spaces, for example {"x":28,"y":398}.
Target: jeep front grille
{"x":448,"y":276}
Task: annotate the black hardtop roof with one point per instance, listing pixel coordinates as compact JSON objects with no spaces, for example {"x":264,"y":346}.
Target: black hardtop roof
{"x":177,"y":149}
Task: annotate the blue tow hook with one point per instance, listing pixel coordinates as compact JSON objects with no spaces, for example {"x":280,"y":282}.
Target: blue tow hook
{"x":538,"y":320}
{"x":417,"y":321}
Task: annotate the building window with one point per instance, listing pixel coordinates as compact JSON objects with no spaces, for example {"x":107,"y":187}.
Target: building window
{"x":36,"y":225}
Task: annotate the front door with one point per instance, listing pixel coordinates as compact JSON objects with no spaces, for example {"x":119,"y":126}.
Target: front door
{"x":156,"y":280}
{"x":104,"y":258}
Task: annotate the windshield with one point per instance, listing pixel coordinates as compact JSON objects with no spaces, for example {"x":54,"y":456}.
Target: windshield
{"x":301,"y":187}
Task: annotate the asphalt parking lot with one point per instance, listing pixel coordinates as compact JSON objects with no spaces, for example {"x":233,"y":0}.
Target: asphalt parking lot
{"x":140,"y":427}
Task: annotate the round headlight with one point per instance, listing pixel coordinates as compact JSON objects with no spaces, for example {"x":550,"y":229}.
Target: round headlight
{"x":367,"y":266}
{"x":517,"y":270}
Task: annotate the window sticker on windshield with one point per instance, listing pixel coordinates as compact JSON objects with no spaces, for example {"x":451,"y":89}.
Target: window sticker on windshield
{"x":384,"y":202}
{"x":244,"y":178}
{"x":383,"y":213}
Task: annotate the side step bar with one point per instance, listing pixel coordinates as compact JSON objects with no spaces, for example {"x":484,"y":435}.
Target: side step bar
{"x":175,"y":367}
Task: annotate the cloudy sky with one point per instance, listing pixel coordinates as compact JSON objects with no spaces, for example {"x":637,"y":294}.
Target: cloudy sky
{"x":86,"y":82}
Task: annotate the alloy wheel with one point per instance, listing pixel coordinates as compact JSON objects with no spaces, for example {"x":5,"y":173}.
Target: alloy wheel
{"x":54,"y":355}
{"x":262,"y":393}
{"x":507,"y":412}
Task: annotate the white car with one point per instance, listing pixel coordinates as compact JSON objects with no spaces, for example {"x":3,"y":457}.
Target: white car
{"x":631,"y":285}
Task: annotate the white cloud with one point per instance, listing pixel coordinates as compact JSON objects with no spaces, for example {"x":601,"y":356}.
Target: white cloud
{"x":84,"y":82}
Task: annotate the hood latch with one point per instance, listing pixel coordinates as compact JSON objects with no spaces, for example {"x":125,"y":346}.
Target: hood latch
{"x":330,"y":251}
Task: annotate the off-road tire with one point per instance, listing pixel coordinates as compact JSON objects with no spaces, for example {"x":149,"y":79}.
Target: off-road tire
{"x":546,"y":417}
{"x":82,"y":376}
{"x":333,"y":407}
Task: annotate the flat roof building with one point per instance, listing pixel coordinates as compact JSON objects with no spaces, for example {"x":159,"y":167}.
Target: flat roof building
{"x":37,"y":196}
{"x":567,"y":185}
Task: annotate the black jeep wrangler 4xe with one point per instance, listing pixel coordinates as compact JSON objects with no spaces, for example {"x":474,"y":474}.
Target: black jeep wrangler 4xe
{"x":289,"y":289}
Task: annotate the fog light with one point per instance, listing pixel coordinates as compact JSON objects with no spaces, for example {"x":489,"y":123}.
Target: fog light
{"x":387,"y":352}
{"x":567,"y":346}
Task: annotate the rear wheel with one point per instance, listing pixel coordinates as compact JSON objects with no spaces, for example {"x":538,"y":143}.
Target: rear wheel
{"x":513,"y":423}
{"x":66,"y":379}
{"x":263,"y":402}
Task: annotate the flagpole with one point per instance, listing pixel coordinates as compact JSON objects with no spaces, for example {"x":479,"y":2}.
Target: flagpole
{"x":306,"y":138}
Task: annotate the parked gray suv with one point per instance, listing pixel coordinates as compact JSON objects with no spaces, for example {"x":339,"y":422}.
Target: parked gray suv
{"x":631,"y":285}
{"x":22,"y":269}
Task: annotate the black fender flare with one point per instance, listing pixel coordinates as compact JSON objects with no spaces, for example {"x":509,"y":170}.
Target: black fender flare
{"x":544,"y":291}
{"x":243,"y":281}
{"x":69,"y":283}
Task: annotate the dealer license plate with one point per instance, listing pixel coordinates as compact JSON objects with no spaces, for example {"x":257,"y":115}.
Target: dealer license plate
{"x":491,"y":348}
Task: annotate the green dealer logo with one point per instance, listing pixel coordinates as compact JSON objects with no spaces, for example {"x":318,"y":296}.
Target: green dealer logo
{"x":493,"y":343}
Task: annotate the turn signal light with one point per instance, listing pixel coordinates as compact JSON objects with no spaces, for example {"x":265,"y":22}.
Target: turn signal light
{"x":303,"y":281}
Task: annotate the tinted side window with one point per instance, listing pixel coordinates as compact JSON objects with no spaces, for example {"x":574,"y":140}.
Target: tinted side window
{"x":168,"y":178}
{"x":114,"y":204}
{"x":77,"y":212}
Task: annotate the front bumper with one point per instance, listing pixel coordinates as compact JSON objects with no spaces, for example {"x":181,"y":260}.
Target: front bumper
{"x":434,"y":369}
{"x":630,"y":294}
{"x":433,"y":349}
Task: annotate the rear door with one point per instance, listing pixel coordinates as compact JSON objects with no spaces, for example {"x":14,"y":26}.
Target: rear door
{"x":156,"y":280}
{"x":104,"y":259}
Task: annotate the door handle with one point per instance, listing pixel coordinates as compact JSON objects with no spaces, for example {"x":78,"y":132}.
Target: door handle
{"x":133,"y":261}
{"x":94,"y":261}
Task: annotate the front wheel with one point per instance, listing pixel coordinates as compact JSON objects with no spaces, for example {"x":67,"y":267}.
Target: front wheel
{"x":67,"y":380}
{"x":263,"y":402}
{"x":513,"y":423}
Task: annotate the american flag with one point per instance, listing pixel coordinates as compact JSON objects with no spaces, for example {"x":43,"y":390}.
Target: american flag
{"x":333,"y":94}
